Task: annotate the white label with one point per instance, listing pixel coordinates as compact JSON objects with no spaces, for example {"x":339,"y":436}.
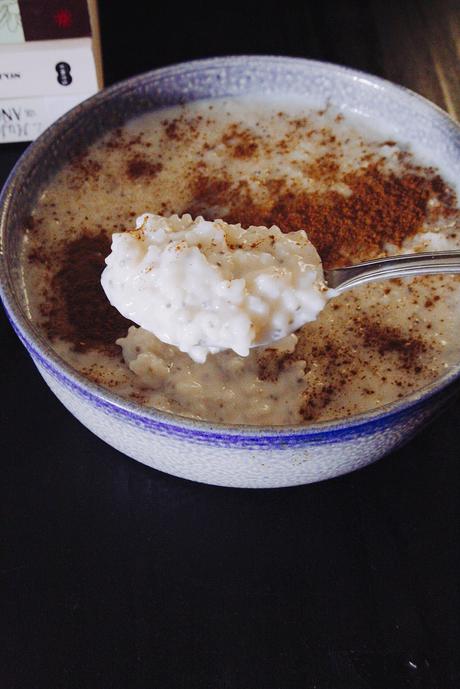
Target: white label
{"x":48,"y":68}
{"x":23,"y":119}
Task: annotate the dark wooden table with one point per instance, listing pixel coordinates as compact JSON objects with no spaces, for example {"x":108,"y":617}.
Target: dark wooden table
{"x":117,"y":576}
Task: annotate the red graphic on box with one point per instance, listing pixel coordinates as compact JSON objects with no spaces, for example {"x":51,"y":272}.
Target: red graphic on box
{"x":63,"y":18}
{"x":50,"y":19}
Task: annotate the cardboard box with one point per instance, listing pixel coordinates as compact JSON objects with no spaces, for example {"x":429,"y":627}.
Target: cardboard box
{"x":50,"y":60}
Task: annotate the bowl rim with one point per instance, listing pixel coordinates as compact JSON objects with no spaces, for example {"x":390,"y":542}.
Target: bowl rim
{"x":43,"y":353}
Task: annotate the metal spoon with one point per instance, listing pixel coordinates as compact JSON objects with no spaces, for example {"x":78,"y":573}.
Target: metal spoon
{"x":406,"y":265}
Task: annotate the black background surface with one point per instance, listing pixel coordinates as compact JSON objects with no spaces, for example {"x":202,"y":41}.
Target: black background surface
{"x":117,"y":576}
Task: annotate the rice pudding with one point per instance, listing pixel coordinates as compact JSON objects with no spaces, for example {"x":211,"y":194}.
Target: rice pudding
{"x":357,"y":194}
{"x":207,"y":286}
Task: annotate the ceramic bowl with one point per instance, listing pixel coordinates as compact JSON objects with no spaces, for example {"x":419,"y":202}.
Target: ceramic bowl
{"x":245,"y":456}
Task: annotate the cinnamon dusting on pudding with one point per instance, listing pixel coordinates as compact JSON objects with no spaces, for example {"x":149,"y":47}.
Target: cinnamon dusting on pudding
{"x":380,"y":208}
{"x":139,"y":166}
{"x":240,"y":143}
{"x":89,"y":322}
{"x":387,"y":339}
{"x":353,"y":195}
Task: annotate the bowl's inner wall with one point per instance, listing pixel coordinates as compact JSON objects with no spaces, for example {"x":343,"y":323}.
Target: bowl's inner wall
{"x":413,"y":121}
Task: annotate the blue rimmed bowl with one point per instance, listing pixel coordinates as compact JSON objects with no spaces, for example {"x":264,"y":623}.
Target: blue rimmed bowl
{"x":244,"y":456}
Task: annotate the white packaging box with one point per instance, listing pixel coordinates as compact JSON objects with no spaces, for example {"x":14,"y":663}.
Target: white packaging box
{"x":40,"y":81}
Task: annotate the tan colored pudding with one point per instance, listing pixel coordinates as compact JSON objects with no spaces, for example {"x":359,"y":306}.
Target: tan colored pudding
{"x":357,"y":194}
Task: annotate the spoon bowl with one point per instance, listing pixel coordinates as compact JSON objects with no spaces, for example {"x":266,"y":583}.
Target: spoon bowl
{"x":226,"y":454}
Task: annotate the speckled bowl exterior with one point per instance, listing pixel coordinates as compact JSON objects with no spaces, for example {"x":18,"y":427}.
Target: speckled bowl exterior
{"x":244,"y":456}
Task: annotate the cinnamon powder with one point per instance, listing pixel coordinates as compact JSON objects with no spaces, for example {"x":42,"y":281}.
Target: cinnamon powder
{"x":79,"y":310}
{"x":380,"y":207}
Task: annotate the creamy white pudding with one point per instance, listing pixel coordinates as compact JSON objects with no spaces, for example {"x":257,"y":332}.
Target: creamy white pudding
{"x":356,"y":193}
{"x":206,"y":286}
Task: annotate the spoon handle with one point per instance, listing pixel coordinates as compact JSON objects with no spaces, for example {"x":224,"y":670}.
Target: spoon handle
{"x":407,"y":265}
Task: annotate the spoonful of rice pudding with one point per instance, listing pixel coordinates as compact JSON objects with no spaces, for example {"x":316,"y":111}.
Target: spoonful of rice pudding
{"x":206,"y":286}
